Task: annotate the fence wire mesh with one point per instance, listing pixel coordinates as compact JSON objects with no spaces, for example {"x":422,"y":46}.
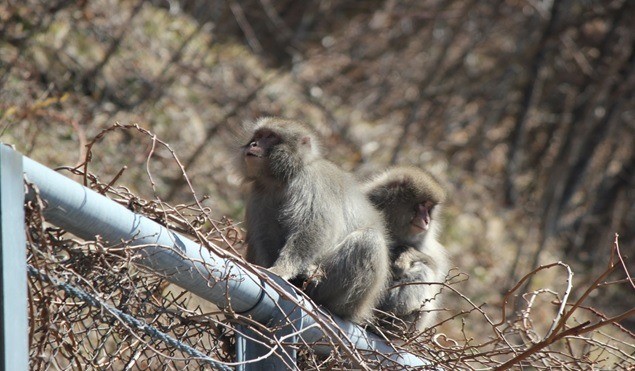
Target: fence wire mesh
{"x":84,"y":298}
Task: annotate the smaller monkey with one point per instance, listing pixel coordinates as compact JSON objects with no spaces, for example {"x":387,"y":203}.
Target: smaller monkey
{"x":410,"y":200}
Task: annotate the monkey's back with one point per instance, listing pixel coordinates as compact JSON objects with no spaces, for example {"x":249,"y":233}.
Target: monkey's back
{"x":323,"y":197}
{"x":336,"y":196}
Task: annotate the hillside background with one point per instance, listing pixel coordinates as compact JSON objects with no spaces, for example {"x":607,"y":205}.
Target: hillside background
{"x":525,"y":108}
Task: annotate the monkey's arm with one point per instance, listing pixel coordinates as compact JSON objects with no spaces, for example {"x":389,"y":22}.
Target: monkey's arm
{"x":404,"y":297}
{"x":413,"y":272}
{"x":308,"y":217}
{"x":297,"y":255}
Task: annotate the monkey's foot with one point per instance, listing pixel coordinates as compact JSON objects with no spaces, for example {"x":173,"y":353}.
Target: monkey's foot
{"x":314,"y":274}
{"x":281,"y":272}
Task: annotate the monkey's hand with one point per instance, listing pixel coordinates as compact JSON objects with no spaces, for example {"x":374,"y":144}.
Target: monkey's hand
{"x":314,"y":273}
{"x":282,"y":271}
{"x":292,"y":261}
{"x":310,"y":277}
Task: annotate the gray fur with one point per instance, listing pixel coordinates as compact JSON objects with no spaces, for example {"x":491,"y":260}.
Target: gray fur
{"x":416,"y":260}
{"x":303,"y":213}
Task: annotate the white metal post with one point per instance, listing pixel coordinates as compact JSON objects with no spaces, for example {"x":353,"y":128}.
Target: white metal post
{"x":253,"y":349}
{"x":14,"y":343}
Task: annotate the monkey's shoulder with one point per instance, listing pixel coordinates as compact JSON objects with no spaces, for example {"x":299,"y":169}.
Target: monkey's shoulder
{"x":324,"y":176}
{"x":332,"y":172}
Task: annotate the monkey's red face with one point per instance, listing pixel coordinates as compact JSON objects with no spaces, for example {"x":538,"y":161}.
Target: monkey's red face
{"x":421,"y":220}
{"x":262,"y":141}
{"x":257,"y":150}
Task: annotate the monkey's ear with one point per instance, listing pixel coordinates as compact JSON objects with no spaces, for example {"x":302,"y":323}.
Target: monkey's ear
{"x":306,"y":141}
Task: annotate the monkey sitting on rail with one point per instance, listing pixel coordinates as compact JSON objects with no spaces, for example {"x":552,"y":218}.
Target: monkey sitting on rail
{"x":410,"y":200}
{"x":303,"y":214}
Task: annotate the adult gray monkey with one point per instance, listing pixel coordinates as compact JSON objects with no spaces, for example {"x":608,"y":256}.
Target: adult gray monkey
{"x":306,"y":215}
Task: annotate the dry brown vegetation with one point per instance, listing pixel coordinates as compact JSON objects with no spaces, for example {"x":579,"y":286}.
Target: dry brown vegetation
{"x":525,"y":108}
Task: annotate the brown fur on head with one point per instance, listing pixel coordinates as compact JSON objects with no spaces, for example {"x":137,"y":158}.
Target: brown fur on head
{"x":277,"y":150}
{"x":410,"y":199}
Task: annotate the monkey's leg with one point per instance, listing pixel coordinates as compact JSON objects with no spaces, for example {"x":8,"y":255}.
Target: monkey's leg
{"x":355,"y":275}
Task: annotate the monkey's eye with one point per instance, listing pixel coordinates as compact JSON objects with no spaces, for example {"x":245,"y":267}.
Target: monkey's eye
{"x":264,"y":134}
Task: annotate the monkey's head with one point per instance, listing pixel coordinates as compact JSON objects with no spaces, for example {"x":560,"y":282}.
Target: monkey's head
{"x":409,"y":198}
{"x":278,"y":150}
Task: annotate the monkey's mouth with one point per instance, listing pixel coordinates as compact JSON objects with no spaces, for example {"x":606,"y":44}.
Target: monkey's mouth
{"x":420,"y":224}
{"x":249,"y":154}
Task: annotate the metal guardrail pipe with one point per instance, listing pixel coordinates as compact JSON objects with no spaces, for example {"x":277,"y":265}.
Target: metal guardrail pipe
{"x":185,"y":263}
{"x":87,"y":214}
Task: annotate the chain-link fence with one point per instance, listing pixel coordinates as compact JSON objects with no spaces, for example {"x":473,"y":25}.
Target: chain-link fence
{"x":91,"y":306}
